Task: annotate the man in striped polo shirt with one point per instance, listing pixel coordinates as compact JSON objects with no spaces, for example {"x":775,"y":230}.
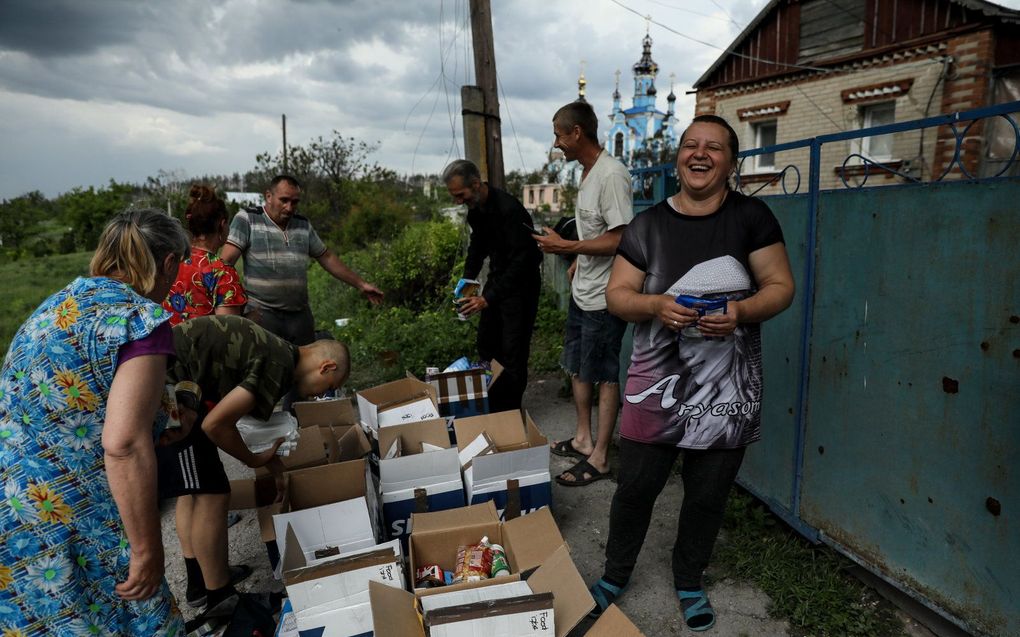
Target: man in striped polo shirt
{"x":276,"y":244}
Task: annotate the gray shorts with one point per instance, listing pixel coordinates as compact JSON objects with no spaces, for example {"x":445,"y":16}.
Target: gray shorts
{"x":591,"y":345}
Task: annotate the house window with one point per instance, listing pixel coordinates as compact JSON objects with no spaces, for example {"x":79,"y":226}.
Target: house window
{"x":531,"y":195}
{"x":764,"y":135}
{"x":556,"y":195}
{"x":618,"y":145}
{"x":879,"y":114}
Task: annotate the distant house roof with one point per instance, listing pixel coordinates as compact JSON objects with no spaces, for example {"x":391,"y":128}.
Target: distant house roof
{"x":245,"y":198}
{"x":987,"y":9}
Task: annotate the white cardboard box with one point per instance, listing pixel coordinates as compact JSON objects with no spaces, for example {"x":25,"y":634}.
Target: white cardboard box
{"x":434,"y":474}
{"x":338,"y":581}
{"x":344,"y":525}
{"x":522,"y":454}
{"x":398,"y":402}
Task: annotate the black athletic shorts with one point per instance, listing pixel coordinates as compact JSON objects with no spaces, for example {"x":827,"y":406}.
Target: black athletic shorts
{"x":191,"y":466}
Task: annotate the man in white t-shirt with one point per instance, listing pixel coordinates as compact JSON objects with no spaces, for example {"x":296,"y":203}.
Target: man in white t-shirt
{"x":591,"y":347}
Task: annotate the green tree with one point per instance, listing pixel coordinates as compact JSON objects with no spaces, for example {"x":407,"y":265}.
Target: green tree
{"x":88,"y":211}
{"x":20,"y":218}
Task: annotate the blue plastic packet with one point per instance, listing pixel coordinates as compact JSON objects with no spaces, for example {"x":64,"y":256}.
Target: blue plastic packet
{"x":703,"y":307}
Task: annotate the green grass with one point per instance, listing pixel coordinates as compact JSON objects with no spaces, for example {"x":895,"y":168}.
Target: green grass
{"x":28,"y":281}
{"x":808,"y":584}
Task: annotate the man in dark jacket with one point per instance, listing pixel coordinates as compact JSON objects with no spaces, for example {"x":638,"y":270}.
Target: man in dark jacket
{"x":501,"y":231}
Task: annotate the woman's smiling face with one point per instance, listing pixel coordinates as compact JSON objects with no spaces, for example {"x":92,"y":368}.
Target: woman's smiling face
{"x":705,"y":160}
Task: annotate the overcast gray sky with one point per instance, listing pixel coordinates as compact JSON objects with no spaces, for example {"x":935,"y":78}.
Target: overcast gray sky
{"x":97,"y":89}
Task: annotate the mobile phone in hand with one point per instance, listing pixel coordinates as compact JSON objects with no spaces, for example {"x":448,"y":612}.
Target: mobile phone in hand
{"x":540,"y":232}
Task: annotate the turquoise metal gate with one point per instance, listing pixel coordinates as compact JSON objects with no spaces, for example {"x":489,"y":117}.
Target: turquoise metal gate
{"x":891,"y":419}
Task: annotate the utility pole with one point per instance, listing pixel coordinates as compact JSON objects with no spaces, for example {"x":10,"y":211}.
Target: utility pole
{"x":485,"y":76}
{"x":284,"y":118}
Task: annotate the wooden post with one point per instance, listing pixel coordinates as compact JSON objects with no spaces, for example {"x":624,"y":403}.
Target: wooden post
{"x":284,"y":118}
{"x":485,"y":76}
{"x":473,"y":114}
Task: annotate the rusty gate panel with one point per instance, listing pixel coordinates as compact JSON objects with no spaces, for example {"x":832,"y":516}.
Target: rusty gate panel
{"x":912,"y":438}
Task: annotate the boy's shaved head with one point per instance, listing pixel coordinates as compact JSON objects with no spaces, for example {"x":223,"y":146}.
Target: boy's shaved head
{"x":336,"y":351}
{"x":322,"y":366}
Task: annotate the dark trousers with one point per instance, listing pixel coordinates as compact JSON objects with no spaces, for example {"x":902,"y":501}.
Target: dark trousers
{"x":642,"y":473}
{"x":504,"y":334}
{"x":297,"y":328}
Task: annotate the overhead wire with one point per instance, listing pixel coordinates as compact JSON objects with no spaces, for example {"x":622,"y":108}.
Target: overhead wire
{"x":742,"y":55}
{"x":697,"y":13}
{"x":513,"y":128}
{"x":717,"y":47}
{"x":441,"y":77}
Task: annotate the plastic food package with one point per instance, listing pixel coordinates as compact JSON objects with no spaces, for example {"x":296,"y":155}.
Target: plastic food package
{"x":474,"y":562}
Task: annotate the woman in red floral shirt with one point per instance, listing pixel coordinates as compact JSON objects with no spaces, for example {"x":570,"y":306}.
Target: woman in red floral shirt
{"x":205,"y":285}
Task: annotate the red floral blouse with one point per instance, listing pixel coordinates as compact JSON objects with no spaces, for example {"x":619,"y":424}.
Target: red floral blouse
{"x":202,"y":286}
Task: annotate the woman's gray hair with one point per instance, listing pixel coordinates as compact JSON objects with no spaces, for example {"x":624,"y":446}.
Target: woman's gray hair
{"x":134,"y":245}
{"x":466,"y":170}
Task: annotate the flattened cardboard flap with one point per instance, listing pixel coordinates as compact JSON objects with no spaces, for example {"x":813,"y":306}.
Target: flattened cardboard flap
{"x":505,"y":428}
{"x":412,"y":435}
{"x":326,"y":413}
{"x":453,"y":518}
{"x":532,"y":538}
{"x":393,"y":612}
{"x":571,"y":600}
{"x":613,"y":623}
{"x":316,"y":486}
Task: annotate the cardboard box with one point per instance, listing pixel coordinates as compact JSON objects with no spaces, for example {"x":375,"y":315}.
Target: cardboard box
{"x":518,"y":472}
{"x":531,"y":542}
{"x":530,"y":615}
{"x":613,"y":623}
{"x":306,"y":489}
{"x":396,"y":403}
{"x":415,"y":480}
{"x":318,"y":589}
{"x":465,"y":393}
{"x":340,"y":415}
{"x":326,"y":413}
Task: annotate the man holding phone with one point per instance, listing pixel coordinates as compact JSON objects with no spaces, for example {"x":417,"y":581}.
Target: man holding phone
{"x":501,"y":231}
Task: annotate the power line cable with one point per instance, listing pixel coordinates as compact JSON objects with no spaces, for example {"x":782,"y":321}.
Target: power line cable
{"x":513,"y":128}
{"x":697,"y":13}
{"x":719,"y":48}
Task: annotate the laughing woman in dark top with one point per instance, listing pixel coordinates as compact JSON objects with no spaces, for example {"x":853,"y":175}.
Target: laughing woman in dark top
{"x":694,"y":383}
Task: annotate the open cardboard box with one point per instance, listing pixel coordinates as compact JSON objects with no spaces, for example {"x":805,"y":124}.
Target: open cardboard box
{"x":522,"y":455}
{"x":531,"y":542}
{"x":613,"y":623}
{"x":319,"y":590}
{"x":305,"y":489}
{"x":397,"y":402}
{"x":340,"y":415}
{"x":464,"y":393}
{"x":415,"y":480}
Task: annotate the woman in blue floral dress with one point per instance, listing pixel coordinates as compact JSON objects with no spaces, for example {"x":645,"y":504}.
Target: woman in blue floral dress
{"x":80,"y":546}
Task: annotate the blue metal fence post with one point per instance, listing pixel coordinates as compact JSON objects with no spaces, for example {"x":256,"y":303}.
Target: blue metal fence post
{"x":807,"y":298}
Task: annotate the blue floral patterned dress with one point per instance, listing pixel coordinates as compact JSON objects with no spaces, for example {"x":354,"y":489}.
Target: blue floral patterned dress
{"x":62,"y":543}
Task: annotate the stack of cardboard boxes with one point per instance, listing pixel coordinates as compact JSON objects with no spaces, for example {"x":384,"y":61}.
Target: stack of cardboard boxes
{"x":372,"y":495}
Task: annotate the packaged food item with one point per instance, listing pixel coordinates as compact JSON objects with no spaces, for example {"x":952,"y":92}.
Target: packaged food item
{"x":429,"y":576}
{"x":500,"y":567}
{"x":474,"y":562}
{"x":465,"y":289}
{"x":703,"y":307}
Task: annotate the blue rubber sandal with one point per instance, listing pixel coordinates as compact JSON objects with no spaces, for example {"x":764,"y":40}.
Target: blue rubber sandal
{"x":605,"y":594}
{"x":698,"y":612}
